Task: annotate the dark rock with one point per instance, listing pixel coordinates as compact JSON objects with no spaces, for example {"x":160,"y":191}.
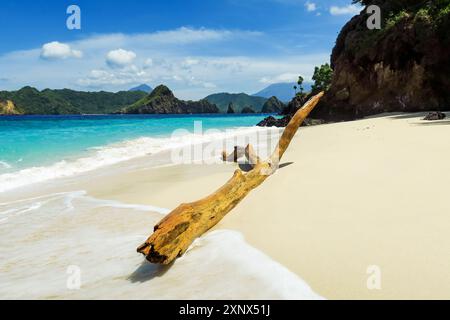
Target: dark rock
{"x":295,"y":104}
{"x":434,"y":116}
{"x":273,"y":122}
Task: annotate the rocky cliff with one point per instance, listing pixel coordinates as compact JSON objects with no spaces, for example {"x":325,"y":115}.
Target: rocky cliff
{"x":405,"y":66}
{"x":162,"y":101}
{"x":7,"y":108}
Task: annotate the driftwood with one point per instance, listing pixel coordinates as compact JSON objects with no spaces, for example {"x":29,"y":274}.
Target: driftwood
{"x":175,"y":233}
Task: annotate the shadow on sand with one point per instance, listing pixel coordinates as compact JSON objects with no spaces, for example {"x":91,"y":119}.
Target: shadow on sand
{"x":404,"y":116}
{"x":248,"y":167}
{"x":434,"y":123}
{"x":147,"y":271}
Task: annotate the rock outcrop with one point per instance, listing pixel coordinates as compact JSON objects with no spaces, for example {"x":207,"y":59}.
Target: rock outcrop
{"x":7,"y":108}
{"x":274,"y":122}
{"x":434,"y":116}
{"x":31,"y":101}
{"x":294,"y":105}
{"x":273,"y":105}
{"x":405,"y":66}
{"x":163,"y":101}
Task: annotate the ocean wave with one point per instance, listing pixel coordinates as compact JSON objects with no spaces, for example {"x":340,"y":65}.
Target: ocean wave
{"x":57,"y":231}
{"x":116,"y":153}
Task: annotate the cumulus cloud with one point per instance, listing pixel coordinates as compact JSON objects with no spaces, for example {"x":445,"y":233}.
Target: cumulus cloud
{"x":56,"y":50}
{"x":345,"y":10}
{"x":120,"y":58}
{"x":98,"y":78}
{"x":310,"y":6}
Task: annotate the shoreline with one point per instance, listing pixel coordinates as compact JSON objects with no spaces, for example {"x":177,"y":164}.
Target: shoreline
{"x":121,"y":152}
{"x":348,"y":198}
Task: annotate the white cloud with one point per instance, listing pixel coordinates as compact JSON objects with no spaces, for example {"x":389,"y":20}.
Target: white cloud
{"x":310,"y":6}
{"x":56,"y":50}
{"x":120,"y":58}
{"x":185,"y":35}
{"x":192,"y":62}
{"x":345,"y":10}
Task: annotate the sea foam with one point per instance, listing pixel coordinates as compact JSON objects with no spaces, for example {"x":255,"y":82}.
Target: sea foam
{"x":124,"y":151}
{"x":47,"y":237}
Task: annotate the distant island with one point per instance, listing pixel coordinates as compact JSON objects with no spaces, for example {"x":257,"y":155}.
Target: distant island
{"x":163,"y":101}
{"x":31,"y":101}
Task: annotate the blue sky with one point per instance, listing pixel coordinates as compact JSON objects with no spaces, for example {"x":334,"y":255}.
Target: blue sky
{"x":196,"y":47}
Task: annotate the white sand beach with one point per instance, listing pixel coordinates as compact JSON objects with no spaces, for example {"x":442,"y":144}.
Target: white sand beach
{"x":349,"y":196}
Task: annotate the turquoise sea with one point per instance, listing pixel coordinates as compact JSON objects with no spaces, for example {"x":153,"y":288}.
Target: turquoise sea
{"x":41,"y":141}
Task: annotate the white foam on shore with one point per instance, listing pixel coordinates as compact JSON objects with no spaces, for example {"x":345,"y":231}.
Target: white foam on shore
{"x":100,"y":238}
{"x":120,"y":152}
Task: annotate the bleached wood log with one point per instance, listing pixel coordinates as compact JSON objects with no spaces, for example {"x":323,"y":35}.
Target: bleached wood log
{"x":173,"y":235}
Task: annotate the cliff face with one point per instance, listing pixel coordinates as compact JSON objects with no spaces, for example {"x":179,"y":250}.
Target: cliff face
{"x":163,"y":101}
{"x":405,"y":66}
{"x":7,"y":108}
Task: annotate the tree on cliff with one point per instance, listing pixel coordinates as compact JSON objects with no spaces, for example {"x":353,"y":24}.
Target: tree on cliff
{"x":300,"y":84}
{"x":322,"y":78}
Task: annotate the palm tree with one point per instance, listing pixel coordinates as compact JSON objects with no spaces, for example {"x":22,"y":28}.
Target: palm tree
{"x":300,"y":83}
{"x":295,"y":89}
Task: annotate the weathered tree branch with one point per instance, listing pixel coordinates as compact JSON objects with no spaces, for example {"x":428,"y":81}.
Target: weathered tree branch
{"x":175,"y":233}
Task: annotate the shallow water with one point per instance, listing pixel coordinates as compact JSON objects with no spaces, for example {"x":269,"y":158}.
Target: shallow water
{"x":30,"y":141}
{"x":36,"y":149}
{"x":71,"y":246}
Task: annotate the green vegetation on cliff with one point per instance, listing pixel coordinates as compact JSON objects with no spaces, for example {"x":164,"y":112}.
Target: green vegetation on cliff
{"x":403,"y":67}
{"x":29,"y":100}
{"x":427,"y":18}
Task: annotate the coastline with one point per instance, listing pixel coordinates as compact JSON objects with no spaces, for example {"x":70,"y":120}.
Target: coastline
{"x":348,"y":198}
